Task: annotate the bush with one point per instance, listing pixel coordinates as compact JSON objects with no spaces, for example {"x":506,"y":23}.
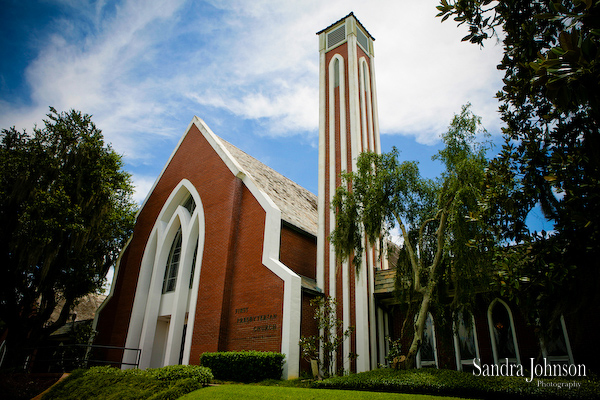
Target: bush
{"x":202,"y":375}
{"x":244,"y":366}
{"x":463,"y":384}
{"x":106,"y":383}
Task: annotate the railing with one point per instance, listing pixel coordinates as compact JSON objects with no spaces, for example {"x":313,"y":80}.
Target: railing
{"x":64,"y":358}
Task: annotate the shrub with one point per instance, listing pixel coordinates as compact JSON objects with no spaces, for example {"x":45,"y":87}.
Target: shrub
{"x":202,"y":375}
{"x":106,"y":383}
{"x":244,"y":366}
{"x":463,"y":384}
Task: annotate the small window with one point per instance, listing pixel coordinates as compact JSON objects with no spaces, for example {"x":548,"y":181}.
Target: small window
{"x":193,"y":269}
{"x":172,"y":266}
{"x":190,"y":204}
{"x":336,"y":73}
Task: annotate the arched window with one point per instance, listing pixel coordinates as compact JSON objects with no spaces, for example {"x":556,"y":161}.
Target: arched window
{"x":427,"y":354}
{"x":502,"y":332}
{"x":466,"y":346}
{"x":336,"y":73}
{"x":172,"y":266}
{"x":556,"y":348}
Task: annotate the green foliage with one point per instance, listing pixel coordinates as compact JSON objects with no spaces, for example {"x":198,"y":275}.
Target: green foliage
{"x":244,"y":366}
{"x":198,"y":373}
{"x":444,"y":238}
{"x":331,"y":338}
{"x":65,"y":211}
{"x":167,"y":383}
{"x":455,"y":383}
{"x":395,"y":351}
{"x":550,"y":105}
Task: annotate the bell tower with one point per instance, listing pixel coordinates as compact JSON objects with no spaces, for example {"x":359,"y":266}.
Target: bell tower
{"x":348,"y":125}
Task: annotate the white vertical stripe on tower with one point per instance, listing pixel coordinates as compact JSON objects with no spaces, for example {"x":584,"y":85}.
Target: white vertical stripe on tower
{"x":321,"y":239}
{"x":375,"y":108}
{"x":363,"y":106}
{"x":361,"y":295}
{"x":369,"y":105}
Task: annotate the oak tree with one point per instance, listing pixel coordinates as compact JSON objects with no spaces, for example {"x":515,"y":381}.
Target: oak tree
{"x":65,"y":212}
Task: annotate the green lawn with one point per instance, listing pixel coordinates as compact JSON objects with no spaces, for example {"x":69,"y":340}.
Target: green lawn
{"x":241,"y":392}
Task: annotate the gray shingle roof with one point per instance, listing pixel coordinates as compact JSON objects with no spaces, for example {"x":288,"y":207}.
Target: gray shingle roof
{"x":298,"y":205}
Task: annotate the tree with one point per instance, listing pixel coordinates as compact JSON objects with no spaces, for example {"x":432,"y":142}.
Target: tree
{"x":443,"y":240}
{"x":65,"y":211}
{"x":550,"y":104}
{"x":323,"y":347}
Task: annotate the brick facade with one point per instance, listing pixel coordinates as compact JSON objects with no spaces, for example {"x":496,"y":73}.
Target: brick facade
{"x":240,"y":302}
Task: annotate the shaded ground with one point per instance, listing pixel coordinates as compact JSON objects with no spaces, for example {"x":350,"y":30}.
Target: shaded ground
{"x":22,"y":386}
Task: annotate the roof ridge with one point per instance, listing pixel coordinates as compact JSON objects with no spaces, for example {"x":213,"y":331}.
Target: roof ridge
{"x":343,"y":18}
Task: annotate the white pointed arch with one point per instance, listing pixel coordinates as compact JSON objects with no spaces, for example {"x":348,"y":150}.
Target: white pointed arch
{"x":366,"y":105}
{"x":158,"y":319}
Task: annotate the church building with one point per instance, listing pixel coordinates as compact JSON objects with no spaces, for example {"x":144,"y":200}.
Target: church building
{"x":227,"y":253}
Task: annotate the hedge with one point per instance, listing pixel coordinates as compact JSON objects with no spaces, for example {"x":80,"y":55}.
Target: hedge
{"x":463,"y":384}
{"x":244,"y":366}
{"x":106,"y":383}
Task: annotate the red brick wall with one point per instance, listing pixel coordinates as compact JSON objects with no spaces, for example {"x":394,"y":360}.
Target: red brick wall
{"x":232,"y":275}
{"x":252,"y":300}
{"x":299,"y":251}
{"x":308,"y":327}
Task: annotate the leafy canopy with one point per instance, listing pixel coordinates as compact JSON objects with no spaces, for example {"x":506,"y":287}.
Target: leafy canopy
{"x":550,"y":105}
{"x":65,"y":211}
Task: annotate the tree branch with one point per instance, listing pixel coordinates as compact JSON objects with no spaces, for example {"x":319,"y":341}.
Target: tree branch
{"x":411,"y":254}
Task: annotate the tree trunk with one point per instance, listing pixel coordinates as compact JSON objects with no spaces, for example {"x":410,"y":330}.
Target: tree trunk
{"x":419,"y":326}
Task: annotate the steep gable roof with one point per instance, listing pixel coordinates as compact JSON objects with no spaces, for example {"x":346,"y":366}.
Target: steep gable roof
{"x":298,"y":205}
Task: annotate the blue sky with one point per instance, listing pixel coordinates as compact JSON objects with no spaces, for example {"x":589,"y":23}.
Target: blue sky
{"x":249,"y":69}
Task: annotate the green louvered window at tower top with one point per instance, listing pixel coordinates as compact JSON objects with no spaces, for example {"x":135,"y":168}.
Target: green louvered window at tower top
{"x":336,"y":36}
{"x":362,"y":40}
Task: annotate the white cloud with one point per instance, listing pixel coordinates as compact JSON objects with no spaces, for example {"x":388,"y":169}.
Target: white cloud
{"x":142,"y":185}
{"x":144,"y":68}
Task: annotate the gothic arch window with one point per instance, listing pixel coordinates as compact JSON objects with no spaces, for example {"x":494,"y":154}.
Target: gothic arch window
{"x":172,"y":265}
{"x":427,"y":354}
{"x":502,"y":333}
{"x":466,"y":346}
{"x":556,"y":348}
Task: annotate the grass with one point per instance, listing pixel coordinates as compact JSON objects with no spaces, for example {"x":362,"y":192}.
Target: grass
{"x":241,"y":392}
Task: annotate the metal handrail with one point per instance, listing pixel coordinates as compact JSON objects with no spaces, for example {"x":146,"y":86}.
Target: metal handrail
{"x":85,"y":360}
